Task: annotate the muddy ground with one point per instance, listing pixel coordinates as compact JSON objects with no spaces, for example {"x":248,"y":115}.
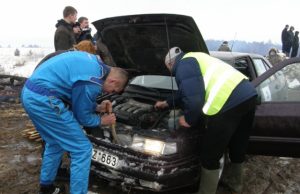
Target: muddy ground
{"x":21,"y":158}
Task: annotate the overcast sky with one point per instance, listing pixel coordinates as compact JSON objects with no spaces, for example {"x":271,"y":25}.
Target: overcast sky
{"x":33,"y":21}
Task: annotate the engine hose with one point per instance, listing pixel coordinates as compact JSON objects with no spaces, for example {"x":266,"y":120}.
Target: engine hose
{"x":162,"y":115}
{"x":114,"y":134}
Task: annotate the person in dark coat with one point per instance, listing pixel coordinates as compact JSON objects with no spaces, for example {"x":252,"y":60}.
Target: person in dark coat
{"x":224,"y":47}
{"x":223,"y":100}
{"x":295,"y":45}
{"x":85,"y":33}
{"x":290,"y":40}
{"x":64,"y":37}
{"x":284,"y":39}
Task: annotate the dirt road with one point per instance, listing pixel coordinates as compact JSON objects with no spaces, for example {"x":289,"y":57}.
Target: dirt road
{"x":20,"y":164}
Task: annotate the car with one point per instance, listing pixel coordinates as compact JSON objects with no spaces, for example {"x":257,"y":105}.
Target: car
{"x":146,"y":149}
{"x":274,"y":133}
{"x":250,"y":64}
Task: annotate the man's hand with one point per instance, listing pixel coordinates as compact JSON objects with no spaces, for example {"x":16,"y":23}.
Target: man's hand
{"x":183,"y":123}
{"x":104,"y":107}
{"x":108,"y":119}
{"x":161,"y":105}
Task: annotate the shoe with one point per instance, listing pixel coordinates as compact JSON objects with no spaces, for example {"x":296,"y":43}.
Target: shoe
{"x":50,"y":189}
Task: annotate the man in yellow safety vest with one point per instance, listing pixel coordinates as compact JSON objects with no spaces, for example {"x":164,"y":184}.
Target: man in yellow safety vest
{"x":212,"y":91}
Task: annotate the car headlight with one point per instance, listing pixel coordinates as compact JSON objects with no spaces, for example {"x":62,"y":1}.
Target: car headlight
{"x":153,"y":146}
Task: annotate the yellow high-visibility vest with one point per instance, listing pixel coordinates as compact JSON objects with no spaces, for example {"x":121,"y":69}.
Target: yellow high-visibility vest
{"x":220,"y":79}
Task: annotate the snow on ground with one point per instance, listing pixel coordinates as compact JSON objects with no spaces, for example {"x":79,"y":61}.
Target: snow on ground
{"x":24,"y":64}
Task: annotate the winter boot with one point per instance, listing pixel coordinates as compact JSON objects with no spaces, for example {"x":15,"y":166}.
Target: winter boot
{"x":235,"y":178}
{"x":50,"y":189}
{"x":209,"y":181}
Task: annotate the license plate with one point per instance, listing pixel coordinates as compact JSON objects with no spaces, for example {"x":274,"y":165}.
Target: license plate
{"x":105,"y":158}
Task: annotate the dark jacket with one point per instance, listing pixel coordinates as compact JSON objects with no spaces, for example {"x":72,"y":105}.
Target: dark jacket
{"x":64,"y":37}
{"x":295,"y":45}
{"x":284,"y":36}
{"x":85,"y":35}
{"x":191,"y":90}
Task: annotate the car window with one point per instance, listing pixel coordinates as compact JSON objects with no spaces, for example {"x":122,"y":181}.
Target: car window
{"x":260,"y":66}
{"x":282,"y":86}
{"x":242,"y":65}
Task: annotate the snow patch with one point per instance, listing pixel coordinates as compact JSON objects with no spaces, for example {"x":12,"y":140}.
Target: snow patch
{"x":24,"y":64}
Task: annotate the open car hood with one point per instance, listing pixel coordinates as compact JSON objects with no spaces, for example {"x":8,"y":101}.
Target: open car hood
{"x":140,"y":42}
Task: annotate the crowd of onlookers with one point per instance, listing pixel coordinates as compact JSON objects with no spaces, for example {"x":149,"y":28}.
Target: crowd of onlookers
{"x":73,"y":34}
{"x":70,"y":31}
{"x":290,"y":41}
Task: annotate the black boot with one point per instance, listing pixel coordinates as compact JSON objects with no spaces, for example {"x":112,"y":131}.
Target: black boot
{"x":49,"y":189}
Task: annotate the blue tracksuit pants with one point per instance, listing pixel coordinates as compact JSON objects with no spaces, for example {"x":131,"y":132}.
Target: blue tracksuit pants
{"x":61,"y":132}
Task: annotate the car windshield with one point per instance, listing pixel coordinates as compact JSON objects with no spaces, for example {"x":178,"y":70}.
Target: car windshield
{"x":260,"y":66}
{"x":282,"y":86}
{"x":155,"y":81}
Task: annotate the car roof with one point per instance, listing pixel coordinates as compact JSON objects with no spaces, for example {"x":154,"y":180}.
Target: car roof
{"x":232,"y":55}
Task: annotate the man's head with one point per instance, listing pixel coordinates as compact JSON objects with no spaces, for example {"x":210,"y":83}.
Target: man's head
{"x":287,"y":26}
{"x":171,"y":56}
{"x":70,"y":14}
{"x":115,"y":81}
{"x":84,"y":22}
{"x":292,"y":28}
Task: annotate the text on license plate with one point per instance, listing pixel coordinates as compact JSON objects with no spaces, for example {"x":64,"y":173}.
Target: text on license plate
{"x":105,"y":158}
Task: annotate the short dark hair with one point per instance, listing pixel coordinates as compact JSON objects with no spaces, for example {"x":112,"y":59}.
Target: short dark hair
{"x":81,"y":19}
{"x":69,"y":10}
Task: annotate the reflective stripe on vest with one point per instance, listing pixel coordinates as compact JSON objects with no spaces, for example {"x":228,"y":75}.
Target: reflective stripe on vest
{"x":220,"y":79}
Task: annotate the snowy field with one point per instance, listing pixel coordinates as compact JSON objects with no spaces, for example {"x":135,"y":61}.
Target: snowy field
{"x":24,"y":64}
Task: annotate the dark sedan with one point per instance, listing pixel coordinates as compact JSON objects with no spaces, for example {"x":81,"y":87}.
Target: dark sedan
{"x":146,"y":150}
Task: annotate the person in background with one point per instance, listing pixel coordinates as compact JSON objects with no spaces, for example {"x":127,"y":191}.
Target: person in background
{"x":215,"y":93}
{"x":295,"y":45}
{"x":77,"y":78}
{"x":284,"y":40}
{"x":64,"y":37}
{"x":290,"y":41}
{"x":275,"y":57}
{"x":224,"y":47}
{"x":85,"y":33}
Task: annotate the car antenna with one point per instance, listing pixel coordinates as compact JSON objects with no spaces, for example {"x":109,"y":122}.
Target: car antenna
{"x":173,"y":98}
{"x":233,"y":41}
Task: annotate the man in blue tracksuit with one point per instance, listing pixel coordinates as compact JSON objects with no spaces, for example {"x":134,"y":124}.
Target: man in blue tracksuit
{"x":77,"y":78}
{"x":211,"y":90}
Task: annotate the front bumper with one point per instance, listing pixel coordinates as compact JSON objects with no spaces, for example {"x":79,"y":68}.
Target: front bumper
{"x":141,"y":171}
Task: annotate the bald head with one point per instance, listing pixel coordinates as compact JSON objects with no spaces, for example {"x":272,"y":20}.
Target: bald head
{"x":116,"y":80}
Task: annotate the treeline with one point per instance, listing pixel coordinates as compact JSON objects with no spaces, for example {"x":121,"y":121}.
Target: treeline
{"x":261,"y":48}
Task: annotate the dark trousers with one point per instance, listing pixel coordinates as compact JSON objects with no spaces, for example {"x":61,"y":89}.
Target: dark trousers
{"x":294,"y":51}
{"x":230,"y":129}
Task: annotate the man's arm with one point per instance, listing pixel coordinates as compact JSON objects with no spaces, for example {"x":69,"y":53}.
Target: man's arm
{"x":84,"y":96}
{"x":192,"y":90}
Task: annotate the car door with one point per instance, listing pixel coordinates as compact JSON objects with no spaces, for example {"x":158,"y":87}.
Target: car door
{"x":276,"y":129}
